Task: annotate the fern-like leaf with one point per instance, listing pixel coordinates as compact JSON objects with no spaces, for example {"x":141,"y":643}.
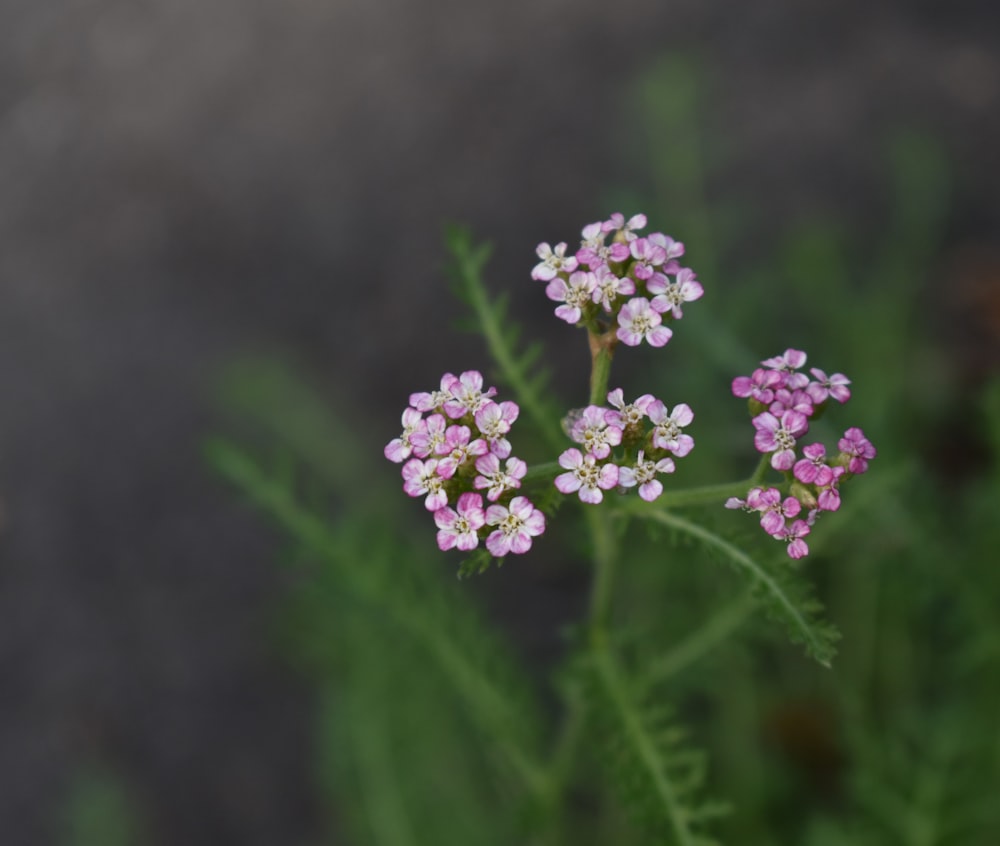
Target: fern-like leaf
{"x":518,"y":370}
{"x":784,"y":598}
{"x":658,"y":777}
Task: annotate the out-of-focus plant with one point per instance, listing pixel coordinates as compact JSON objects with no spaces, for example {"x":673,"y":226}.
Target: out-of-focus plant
{"x":434,"y":732}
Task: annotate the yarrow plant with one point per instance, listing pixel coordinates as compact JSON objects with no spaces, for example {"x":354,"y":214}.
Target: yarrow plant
{"x":609,"y":462}
{"x":623,"y":287}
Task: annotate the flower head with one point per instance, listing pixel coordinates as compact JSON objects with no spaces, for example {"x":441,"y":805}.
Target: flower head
{"x":421,"y":477}
{"x":667,"y":427}
{"x":494,"y":420}
{"x":759,"y":386}
{"x":496,"y":480}
{"x":399,"y":449}
{"x":778,"y":436}
{"x":858,"y":448}
{"x":516,"y":525}
{"x":552,"y":262}
{"x":628,"y":415}
{"x":793,"y":535}
{"x":685,"y":290}
{"x":637,"y":320}
{"x":609,"y":288}
{"x":575,"y":294}
{"x":828,"y":386}
{"x":467,"y":394}
{"x":644,"y":475}
{"x":460,"y":528}
{"x":592,"y":430}
{"x":586,"y":476}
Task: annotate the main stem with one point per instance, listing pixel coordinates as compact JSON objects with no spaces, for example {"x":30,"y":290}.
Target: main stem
{"x":599,"y":519}
{"x":602,"y":349}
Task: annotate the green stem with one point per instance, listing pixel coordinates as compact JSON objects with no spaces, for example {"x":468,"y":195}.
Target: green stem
{"x":602,"y":349}
{"x":605,"y":554}
{"x":761,"y":471}
{"x":615,"y":685}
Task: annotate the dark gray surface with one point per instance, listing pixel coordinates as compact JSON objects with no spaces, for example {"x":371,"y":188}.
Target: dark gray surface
{"x":184,"y":181}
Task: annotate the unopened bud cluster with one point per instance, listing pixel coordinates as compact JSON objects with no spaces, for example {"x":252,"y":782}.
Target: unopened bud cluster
{"x":782,"y":401}
{"x":636,"y":281}
{"x":456,"y":451}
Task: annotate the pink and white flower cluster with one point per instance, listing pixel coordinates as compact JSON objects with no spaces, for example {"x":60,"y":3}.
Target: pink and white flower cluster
{"x":633,"y":280}
{"x":782,"y":400}
{"x":453,"y":445}
{"x":625,"y":446}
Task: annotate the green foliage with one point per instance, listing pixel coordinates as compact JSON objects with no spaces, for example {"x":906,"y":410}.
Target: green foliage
{"x":656,"y":775}
{"x":518,"y":369}
{"x":432,"y":732}
{"x":783,"y":597}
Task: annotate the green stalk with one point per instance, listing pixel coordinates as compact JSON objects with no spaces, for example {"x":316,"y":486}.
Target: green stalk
{"x":602,"y":350}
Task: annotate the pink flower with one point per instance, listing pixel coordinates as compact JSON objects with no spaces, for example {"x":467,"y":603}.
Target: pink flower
{"x":785,"y":400}
{"x":647,"y":255}
{"x":667,"y":427}
{"x":575,"y":294}
{"x":421,"y":477}
{"x":516,"y":525}
{"x":757,"y":499}
{"x":644,"y":475}
{"x":637,"y":320}
{"x":834,"y":386}
{"x":399,"y":449}
{"x":813,"y":469}
{"x":788,"y":363}
{"x":760,"y":386}
{"x":494,"y":421}
{"x":460,"y":528}
{"x":552,"y":262}
{"x":433,"y":400}
{"x":609,"y":288}
{"x":498,"y":481}
{"x":457,"y":449}
{"x":685,"y":290}
{"x":430,"y":437}
{"x":618,"y":223}
{"x":467,"y":394}
{"x":773,"y":521}
{"x":592,"y":430}
{"x":793,"y":536}
{"x":674,"y":249}
{"x":630,"y":415}
{"x":858,"y":447}
{"x":829,"y":496}
{"x":585,"y":475}
{"x":594,"y":252}
{"x":778,"y":436}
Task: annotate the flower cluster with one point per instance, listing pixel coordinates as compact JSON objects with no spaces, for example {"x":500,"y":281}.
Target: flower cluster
{"x":625,"y":446}
{"x":636,"y":281}
{"x":455,"y":451}
{"x":782,"y":401}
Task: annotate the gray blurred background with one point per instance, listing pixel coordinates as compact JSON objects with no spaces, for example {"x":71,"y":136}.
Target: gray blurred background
{"x":184,"y":182}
